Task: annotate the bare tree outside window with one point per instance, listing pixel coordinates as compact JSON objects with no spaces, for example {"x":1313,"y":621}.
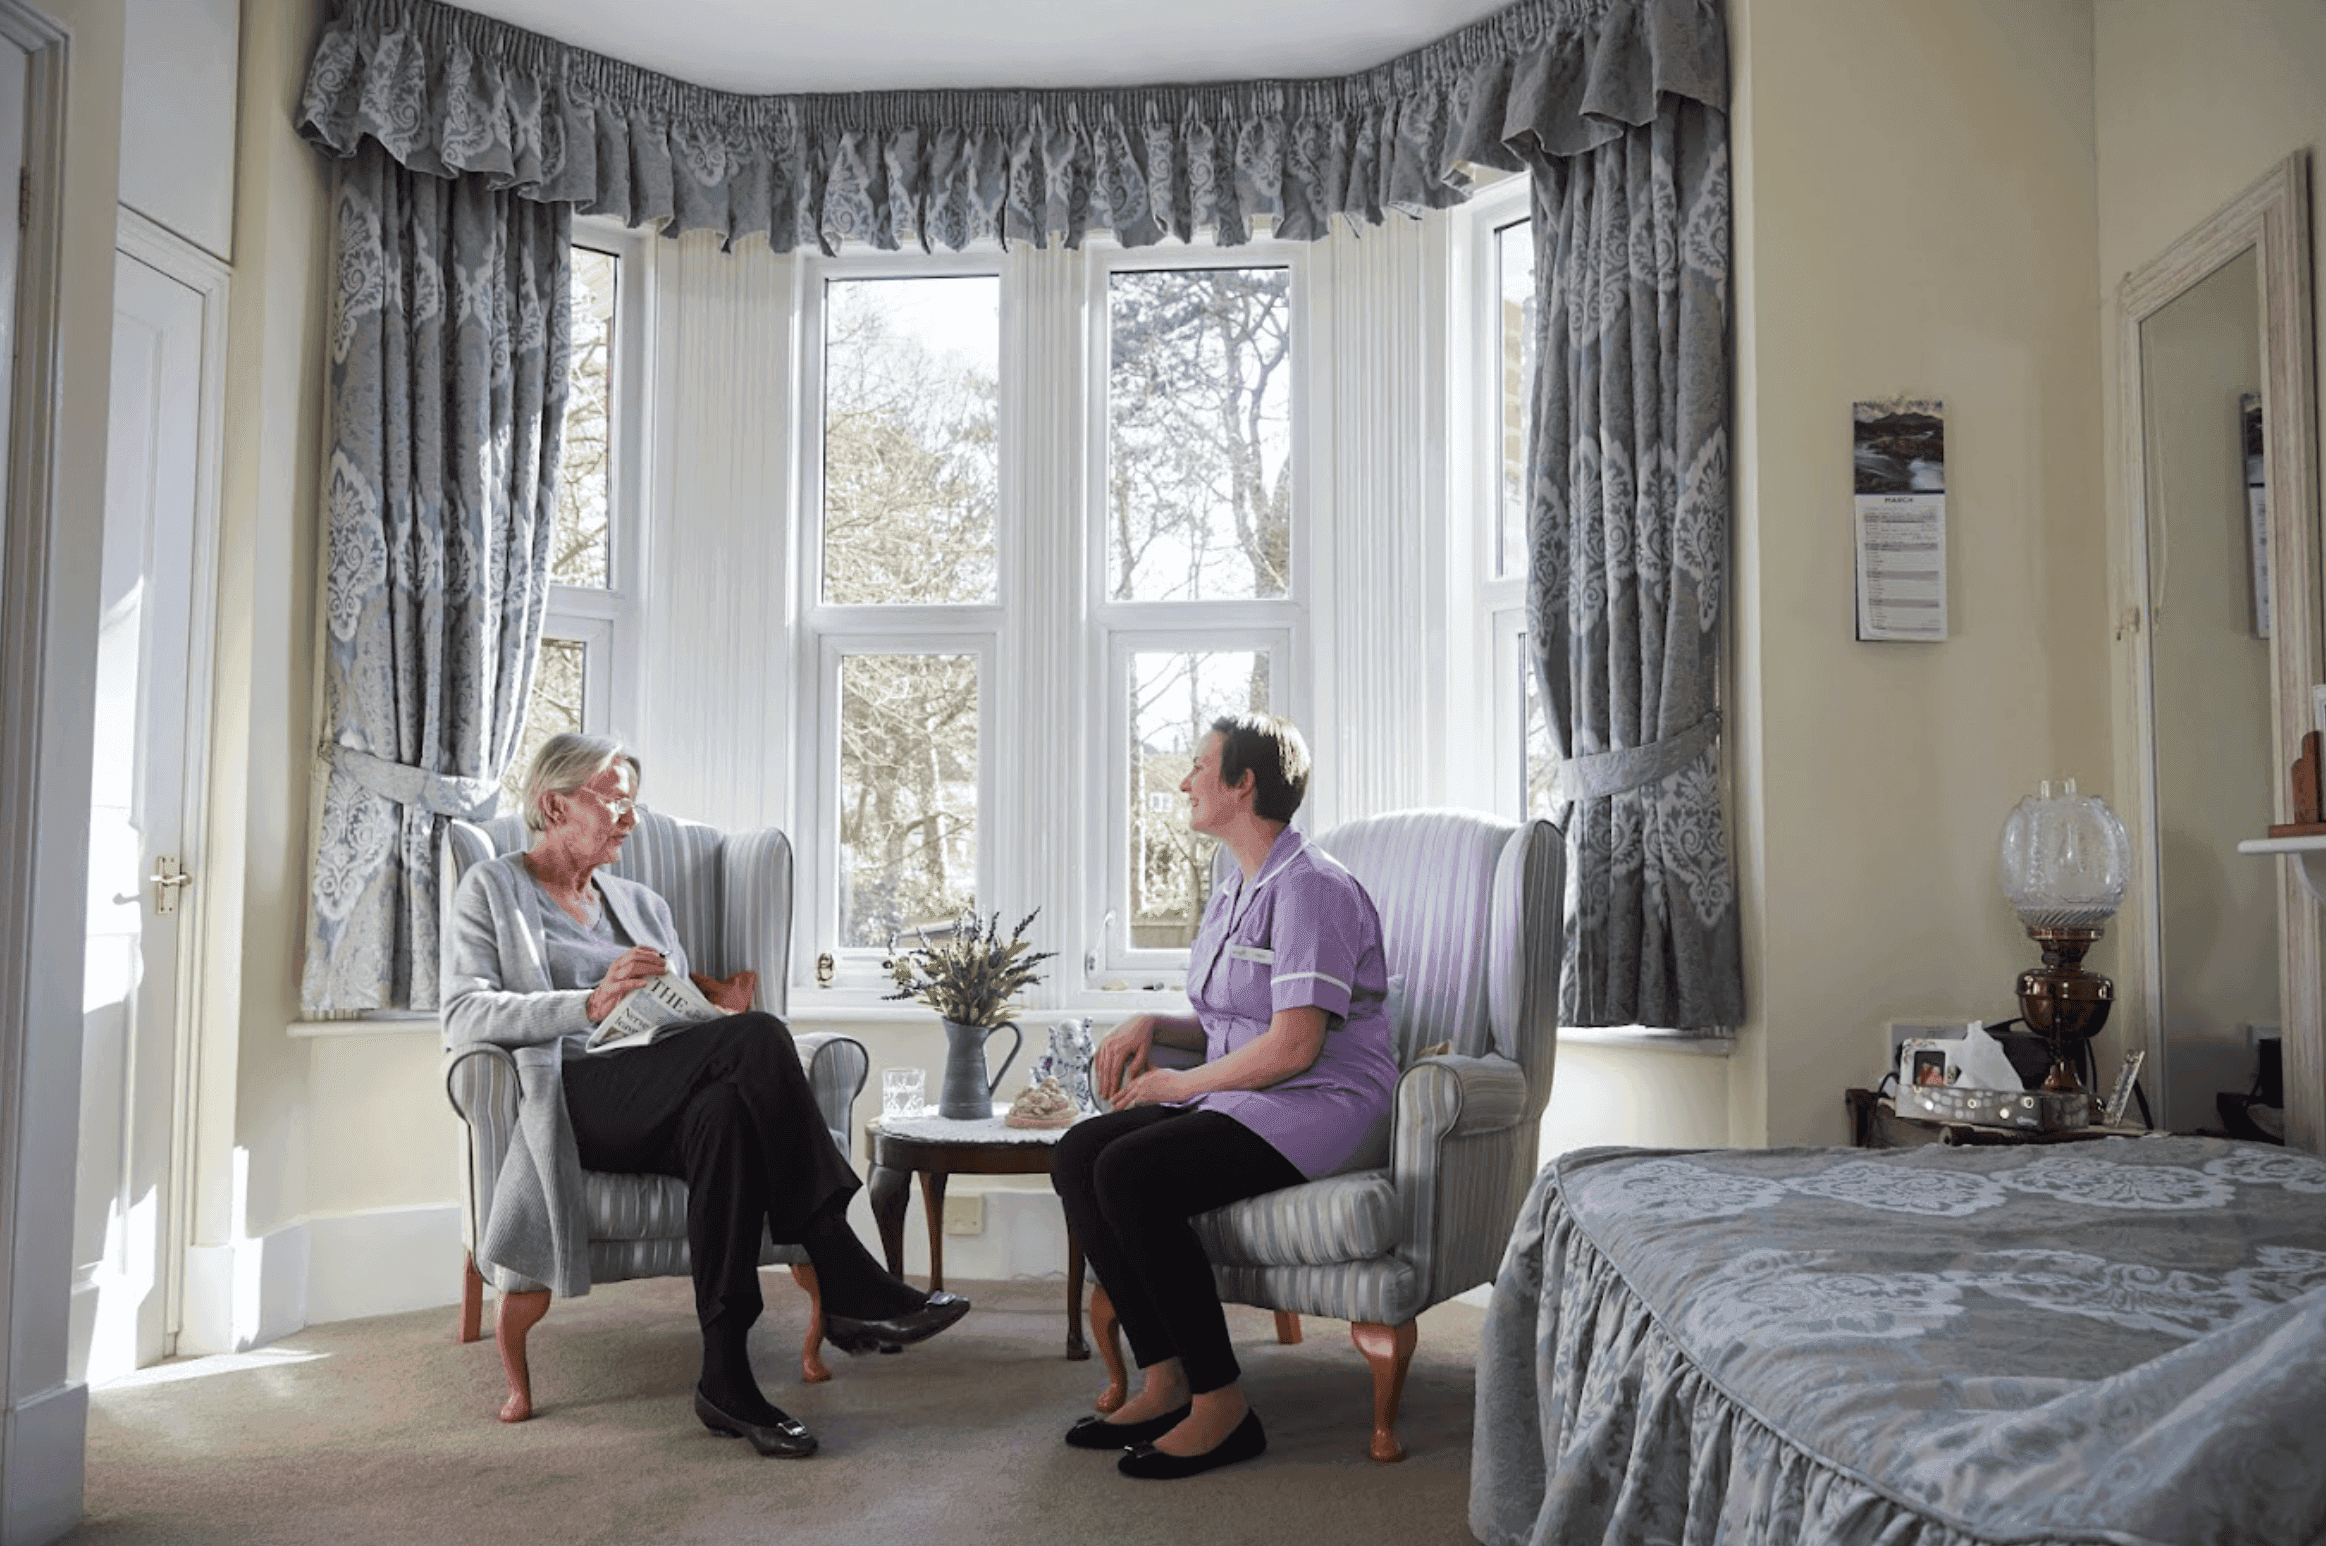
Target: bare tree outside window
{"x":555,"y":707}
{"x":1175,"y":696}
{"x":581,"y":554}
{"x":1199,"y":415}
{"x":1535,"y":752}
{"x":908,"y":792}
{"x":911,"y":439}
{"x":1514,"y":251}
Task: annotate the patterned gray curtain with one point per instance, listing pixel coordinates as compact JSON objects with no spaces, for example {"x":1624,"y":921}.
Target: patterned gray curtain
{"x":449,"y":91}
{"x":1628,"y":520}
{"x":448,"y":345}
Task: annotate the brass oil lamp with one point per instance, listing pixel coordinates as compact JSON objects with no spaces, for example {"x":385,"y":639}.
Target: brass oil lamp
{"x":2065,"y":860}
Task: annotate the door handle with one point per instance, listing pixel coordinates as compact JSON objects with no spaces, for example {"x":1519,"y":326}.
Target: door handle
{"x":169,"y":877}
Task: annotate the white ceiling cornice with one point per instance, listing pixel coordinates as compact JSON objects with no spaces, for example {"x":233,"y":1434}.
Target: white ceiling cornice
{"x":757,"y":47}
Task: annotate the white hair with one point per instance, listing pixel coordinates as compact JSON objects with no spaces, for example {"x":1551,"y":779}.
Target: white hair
{"x":566,"y":762}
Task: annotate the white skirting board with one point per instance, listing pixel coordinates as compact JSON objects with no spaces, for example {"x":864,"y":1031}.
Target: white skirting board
{"x":330,"y":1268}
{"x":40,"y":1496}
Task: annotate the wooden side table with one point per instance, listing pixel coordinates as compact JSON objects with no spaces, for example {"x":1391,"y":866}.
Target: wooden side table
{"x":933,"y":1148}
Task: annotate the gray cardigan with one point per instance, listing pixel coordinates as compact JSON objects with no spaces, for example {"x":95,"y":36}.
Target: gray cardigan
{"x":496,"y":989}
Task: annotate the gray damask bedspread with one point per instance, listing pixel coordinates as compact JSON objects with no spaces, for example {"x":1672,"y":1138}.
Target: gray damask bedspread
{"x":2121,"y":1341}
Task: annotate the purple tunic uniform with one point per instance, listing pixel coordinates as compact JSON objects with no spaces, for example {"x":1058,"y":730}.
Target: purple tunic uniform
{"x":1303,"y":933}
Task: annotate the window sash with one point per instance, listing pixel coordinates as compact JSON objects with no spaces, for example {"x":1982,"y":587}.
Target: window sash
{"x":1110,"y":832}
{"x":821,"y":862}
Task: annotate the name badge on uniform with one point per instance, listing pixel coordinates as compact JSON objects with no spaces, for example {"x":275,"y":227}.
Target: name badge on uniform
{"x":1252,"y":953}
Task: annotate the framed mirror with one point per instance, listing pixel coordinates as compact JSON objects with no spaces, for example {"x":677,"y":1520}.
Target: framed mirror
{"x":2219,"y":602}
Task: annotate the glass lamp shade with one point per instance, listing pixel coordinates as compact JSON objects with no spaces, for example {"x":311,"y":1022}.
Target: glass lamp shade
{"x":2065,"y":859}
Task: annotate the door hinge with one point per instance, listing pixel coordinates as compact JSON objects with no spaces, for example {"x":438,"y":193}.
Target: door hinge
{"x":169,"y":877}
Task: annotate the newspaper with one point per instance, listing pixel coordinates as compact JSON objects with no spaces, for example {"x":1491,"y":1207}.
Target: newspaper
{"x":659,"y":1007}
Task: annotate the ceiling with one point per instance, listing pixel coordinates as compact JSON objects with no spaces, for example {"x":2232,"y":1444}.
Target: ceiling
{"x":782,"y":46}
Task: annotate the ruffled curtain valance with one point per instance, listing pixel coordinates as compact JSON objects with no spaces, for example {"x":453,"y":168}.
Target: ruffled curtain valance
{"x":447,"y":92}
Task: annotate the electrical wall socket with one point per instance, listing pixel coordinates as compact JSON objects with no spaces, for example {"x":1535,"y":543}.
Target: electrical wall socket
{"x":965,"y":1215}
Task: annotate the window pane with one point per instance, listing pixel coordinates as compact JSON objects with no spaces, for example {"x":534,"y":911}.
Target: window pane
{"x":908,"y":792}
{"x":1175,"y":696}
{"x":1515,"y":358}
{"x":912,"y":394}
{"x":1535,"y":753}
{"x":1199,"y":415}
{"x":585,"y":467}
{"x":556,"y":707}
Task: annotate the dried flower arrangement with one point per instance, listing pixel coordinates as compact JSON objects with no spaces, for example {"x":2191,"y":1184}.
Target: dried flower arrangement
{"x":966,"y":972}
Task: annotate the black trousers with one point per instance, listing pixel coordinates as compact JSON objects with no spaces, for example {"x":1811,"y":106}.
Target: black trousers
{"x":1130,"y":1181}
{"x":726,"y":1108}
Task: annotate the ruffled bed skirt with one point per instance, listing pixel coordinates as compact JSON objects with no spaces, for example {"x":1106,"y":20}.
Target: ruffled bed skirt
{"x":1594,"y":1427}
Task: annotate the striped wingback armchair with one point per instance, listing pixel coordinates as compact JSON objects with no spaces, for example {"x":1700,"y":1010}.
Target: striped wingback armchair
{"x":730,"y":900}
{"x":1470,"y":909}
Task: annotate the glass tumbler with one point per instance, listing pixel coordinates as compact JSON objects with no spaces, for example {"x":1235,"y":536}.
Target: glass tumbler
{"x":903,"y":1092}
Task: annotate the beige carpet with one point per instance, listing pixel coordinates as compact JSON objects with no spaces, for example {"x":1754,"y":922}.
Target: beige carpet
{"x":382,"y":1430}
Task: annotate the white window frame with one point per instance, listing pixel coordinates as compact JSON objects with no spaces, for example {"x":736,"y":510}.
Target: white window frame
{"x":1497,"y":603}
{"x":1050,"y":642}
{"x":829,"y":630}
{"x":1118,"y":629}
{"x":606,"y":623}
{"x":1119,"y":954}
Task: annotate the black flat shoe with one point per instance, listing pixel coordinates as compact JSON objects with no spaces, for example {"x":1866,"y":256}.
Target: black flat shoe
{"x":1098,"y":1433}
{"x":786,"y":1438}
{"x":1153,"y":1464}
{"x":894,"y":1333}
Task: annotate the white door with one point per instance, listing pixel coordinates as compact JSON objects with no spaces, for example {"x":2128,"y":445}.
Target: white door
{"x":141,"y":823}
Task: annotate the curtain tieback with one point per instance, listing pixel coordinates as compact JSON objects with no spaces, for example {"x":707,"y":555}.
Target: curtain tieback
{"x":441,"y":794}
{"x":1601,"y":774}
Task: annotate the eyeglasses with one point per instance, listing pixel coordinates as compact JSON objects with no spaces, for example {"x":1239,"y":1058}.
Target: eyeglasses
{"x":614,"y":808}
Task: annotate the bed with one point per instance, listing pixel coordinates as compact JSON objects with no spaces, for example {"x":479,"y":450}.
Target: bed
{"x":2121,"y":1341}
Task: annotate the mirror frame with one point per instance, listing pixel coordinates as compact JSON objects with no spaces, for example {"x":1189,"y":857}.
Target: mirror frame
{"x":2272,"y":219}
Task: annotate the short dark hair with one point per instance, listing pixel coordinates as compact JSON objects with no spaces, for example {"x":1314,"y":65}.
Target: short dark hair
{"x":1271,"y":750}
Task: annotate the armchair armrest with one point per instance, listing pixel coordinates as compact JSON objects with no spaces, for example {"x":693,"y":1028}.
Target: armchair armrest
{"x":481,"y":1081}
{"x":837,"y":1065}
{"x":1451,"y":1096}
{"x":1458,"y":1137}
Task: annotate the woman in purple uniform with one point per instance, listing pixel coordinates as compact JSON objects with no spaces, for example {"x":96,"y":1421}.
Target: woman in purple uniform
{"x":1289,"y":986}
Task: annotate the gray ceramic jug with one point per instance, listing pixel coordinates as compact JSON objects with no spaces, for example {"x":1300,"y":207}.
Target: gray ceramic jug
{"x":967,"y":1094}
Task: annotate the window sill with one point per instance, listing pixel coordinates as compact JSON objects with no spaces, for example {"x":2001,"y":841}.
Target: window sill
{"x":1639,"y":1038}
{"x":367,"y":1025}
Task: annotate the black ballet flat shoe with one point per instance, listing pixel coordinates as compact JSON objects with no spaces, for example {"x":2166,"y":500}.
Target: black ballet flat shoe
{"x":787,"y":1438}
{"x":894,"y":1333}
{"x":1098,"y":1433}
{"x":1245,"y":1443}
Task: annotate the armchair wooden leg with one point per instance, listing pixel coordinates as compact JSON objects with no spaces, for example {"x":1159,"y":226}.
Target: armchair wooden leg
{"x":1287,"y":1328}
{"x":812,"y":1370}
{"x":472,"y":1299}
{"x":518,"y":1314}
{"x":1107,"y":1333}
{"x":1389,"y":1349}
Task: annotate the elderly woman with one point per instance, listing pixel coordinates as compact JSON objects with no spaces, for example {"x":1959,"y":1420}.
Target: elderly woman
{"x":1289,"y":984}
{"x":539,"y":949}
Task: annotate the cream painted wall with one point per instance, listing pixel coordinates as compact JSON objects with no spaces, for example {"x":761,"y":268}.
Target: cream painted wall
{"x":1914,"y":213}
{"x":2193,"y":103}
{"x":252,"y":1101}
